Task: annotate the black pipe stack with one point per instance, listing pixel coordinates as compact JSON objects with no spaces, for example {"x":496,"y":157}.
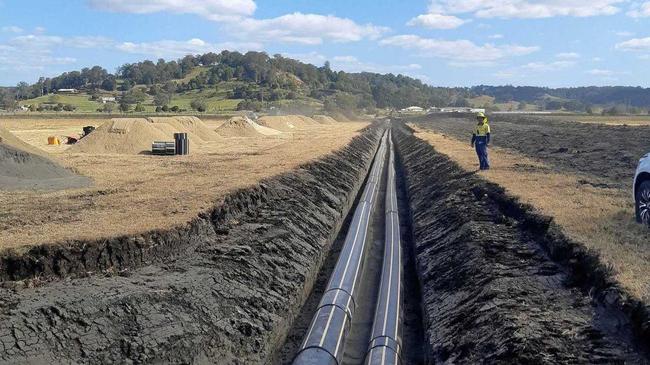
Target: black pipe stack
{"x":182,"y":143}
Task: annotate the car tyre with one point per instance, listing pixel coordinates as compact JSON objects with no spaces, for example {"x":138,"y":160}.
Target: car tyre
{"x":643,"y":203}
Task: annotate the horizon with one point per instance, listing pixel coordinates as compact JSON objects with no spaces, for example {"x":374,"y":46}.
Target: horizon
{"x":442,"y":43}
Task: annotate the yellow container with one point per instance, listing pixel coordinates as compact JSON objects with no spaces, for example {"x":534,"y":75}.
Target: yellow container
{"x":53,"y":141}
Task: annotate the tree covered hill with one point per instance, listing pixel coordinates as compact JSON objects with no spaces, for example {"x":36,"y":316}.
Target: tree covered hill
{"x":257,"y":81}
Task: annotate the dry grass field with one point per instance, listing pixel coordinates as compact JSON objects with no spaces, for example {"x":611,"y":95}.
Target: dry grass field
{"x":600,"y":218}
{"x":134,"y":193}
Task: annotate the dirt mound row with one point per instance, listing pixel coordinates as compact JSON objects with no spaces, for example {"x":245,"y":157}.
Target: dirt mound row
{"x":482,"y":261}
{"x":223,"y":289}
{"x":244,"y":127}
{"x":324,"y":119}
{"x":135,"y":135}
{"x":24,"y":170}
{"x":190,"y":125}
{"x":287,"y":123}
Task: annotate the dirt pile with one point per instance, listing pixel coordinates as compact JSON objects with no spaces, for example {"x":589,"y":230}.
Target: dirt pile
{"x":324,"y":119}
{"x":8,"y":139}
{"x":287,"y":123}
{"x":223,"y":289}
{"x":245,"y":127}
{"x":22,"y":170}
{"x":483,"y":263}
{"x":197,"y":131}
{"x":121,"y":136}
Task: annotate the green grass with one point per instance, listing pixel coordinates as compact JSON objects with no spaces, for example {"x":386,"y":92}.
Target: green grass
{"x":215,"y":100}
{"x":80,"y":101}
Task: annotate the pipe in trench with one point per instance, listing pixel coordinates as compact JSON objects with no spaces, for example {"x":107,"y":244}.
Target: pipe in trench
{"x":385,"y":344}
{"x":323,"y":344}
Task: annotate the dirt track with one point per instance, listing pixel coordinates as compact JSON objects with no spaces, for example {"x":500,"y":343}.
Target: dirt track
{"x":608,"y":152}
{"x":226,"y":293}
{"x":490,"y":292}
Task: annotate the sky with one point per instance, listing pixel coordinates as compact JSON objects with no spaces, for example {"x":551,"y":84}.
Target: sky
{"x":550,"y":43}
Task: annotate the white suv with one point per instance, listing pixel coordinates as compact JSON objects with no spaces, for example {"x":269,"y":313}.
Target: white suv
{"x":642,"y":190}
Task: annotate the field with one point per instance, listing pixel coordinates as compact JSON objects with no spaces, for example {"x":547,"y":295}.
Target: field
{"x":579,"y":174}
{"x":163,"y":191}
{"x":232,"y":254}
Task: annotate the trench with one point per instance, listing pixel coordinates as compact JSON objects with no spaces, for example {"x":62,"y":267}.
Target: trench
{"x":356,"y":345}
{"x":499,"y":282}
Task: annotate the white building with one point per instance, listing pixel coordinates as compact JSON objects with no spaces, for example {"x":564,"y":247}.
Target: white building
{"x":67,"y":91}
{"x":109,"y":99}
{"x":412,"y":109}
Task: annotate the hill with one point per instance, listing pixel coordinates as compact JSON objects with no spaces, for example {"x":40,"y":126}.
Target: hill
{"x":231,"y":81}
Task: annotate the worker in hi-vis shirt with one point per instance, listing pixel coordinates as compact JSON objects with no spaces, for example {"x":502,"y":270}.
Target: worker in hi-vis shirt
{"x":481,"y":139}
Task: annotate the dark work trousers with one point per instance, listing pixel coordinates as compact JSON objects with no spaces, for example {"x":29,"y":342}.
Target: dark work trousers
{"x":482,"y":152}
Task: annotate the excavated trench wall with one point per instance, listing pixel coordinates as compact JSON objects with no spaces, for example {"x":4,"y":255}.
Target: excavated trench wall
{"x":223,"y":289}
{"x":501,"y":283}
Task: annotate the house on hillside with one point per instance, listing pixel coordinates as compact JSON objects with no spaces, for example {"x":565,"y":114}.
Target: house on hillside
{"x":67,"y":91}
{"x":107,"y":99}
{"x":412,"y":109}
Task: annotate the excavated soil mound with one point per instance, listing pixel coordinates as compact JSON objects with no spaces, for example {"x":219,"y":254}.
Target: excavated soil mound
{"x":287,"y":123}
{"x":324,"y":119}
{"x":244,"y":127}
{"x":193,"y":126}
{"x":9,"y":139}
{"x":499,"y":285}
{"x":22,"y":170}
{"x":122,"y":136}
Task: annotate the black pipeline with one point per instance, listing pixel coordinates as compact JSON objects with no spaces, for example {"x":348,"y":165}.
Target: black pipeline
{"x":330,"y":326}
{"x":385,"y":342}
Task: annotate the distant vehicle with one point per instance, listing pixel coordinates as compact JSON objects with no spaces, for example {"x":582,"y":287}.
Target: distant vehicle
{"x":642,"y":190}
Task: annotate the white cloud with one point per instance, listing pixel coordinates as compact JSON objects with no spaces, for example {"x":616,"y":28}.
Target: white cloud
{"x":496,"y":36}
{"x":635,"y":44}
{"x":436,"y":21}
{"x":526,"y":8}
{"x":12,"y":29}
{"x":600,"y":72}
{"x":523,"y":71}
{"x":353,"y":64}
{"x":308,"y":29}
{"x":177,"y":49}
{"x":217,"y":10}
{"x":31,"y":53}
{"x":462,"y":52}
{"x":568,"y":55}
{"x":624,"y":34}
{"x":47,"y":41}
{"x":596,"y":59}
{"x":605,"y":73}
{"x":640,"y":10}
{"x":547,"y":66}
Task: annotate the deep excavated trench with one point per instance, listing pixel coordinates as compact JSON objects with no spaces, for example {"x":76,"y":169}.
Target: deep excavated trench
{"x":485,"y":279}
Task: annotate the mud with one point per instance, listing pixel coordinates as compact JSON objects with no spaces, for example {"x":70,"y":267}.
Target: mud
{"x":607,"y":152}
{"x":224,"y":289}
{"x":499,"y":283}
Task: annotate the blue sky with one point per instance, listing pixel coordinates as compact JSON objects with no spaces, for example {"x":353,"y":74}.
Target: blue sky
{"x":442,"y":42}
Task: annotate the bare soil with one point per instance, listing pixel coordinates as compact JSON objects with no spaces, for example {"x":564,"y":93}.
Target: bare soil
{"x":607,"y":152}
{"x":133,"y":194}
{"x":223,"y":290}
{"x":499,"y":283}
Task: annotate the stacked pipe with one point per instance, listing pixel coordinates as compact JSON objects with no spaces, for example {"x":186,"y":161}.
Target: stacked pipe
{"x":330,"y":326}
{"x":163,"y":148}
{"x":385,"y":343}
{"x":182,"y":143}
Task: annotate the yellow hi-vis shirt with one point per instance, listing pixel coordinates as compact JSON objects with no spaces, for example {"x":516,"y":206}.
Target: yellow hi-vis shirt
{"x":482,"y":130}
